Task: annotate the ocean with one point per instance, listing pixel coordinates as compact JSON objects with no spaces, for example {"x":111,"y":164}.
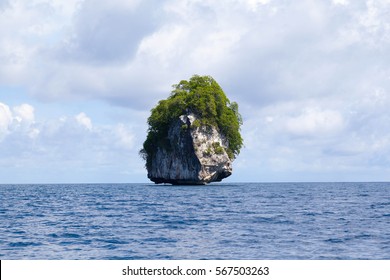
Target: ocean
{"x":217,"y":221}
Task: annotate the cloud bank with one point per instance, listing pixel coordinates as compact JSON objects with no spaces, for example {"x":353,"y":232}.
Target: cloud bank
{"x":66,"y":147}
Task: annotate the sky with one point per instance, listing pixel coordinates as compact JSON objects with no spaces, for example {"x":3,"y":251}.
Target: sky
{"x":78,"y":79}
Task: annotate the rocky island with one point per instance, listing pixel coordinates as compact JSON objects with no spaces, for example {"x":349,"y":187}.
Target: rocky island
{"x":193,"y":136}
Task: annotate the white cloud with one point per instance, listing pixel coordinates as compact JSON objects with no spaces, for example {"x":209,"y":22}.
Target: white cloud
{"x":5,"y":120}
{"x":108,"y":32}
{"x":24,"y":114}
{"x":315,"y":122}
{"x":273,"y":49}
{"x":64,"y":146}
{"x":84,"y":121}
{"x":20,"y":119}
{"x":125,"y":137}
{"x":26,"y":28}
{"x":255,"y":3}
{"x":341,"y":2}
{"x":270,"y":50}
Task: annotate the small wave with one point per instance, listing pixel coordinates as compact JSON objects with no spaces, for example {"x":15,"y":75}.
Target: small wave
{"x":380,"y":205}
{"x":159,"y":240}
{"x":64,"y":235}
{"x":363,"y":236}
{"x":311,"y":214}
{"x":113,"y":241}
{"x":334,"y":240}
{"x":23,"y":244}
{"x":272,"y":220}
{"x":263,"y":220}
{"x":70,"y":235}
{"x":19,"y":232}
{"x":50,"y":223}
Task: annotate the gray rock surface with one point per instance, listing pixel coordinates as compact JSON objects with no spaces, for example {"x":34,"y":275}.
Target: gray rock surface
{"x":194,"y":156}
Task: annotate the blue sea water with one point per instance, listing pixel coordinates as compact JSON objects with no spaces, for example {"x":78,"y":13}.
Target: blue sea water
{"x":217,"y":221}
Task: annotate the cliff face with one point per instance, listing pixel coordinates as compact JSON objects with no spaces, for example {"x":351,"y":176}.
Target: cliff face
{"x":194,"y":155}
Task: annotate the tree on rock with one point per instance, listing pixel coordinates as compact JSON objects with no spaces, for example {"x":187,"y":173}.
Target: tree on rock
{"x":208,"y":109}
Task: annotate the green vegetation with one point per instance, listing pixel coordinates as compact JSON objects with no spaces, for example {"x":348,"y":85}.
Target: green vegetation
{"x":208,"y":152}
{"x":218,"y":149}
{"x":203,"y":97}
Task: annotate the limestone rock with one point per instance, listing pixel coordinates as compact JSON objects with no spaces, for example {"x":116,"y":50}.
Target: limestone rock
{"x":194,"y":155}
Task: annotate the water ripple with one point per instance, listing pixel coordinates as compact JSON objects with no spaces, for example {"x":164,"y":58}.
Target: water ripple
{"x":218,"y":221}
